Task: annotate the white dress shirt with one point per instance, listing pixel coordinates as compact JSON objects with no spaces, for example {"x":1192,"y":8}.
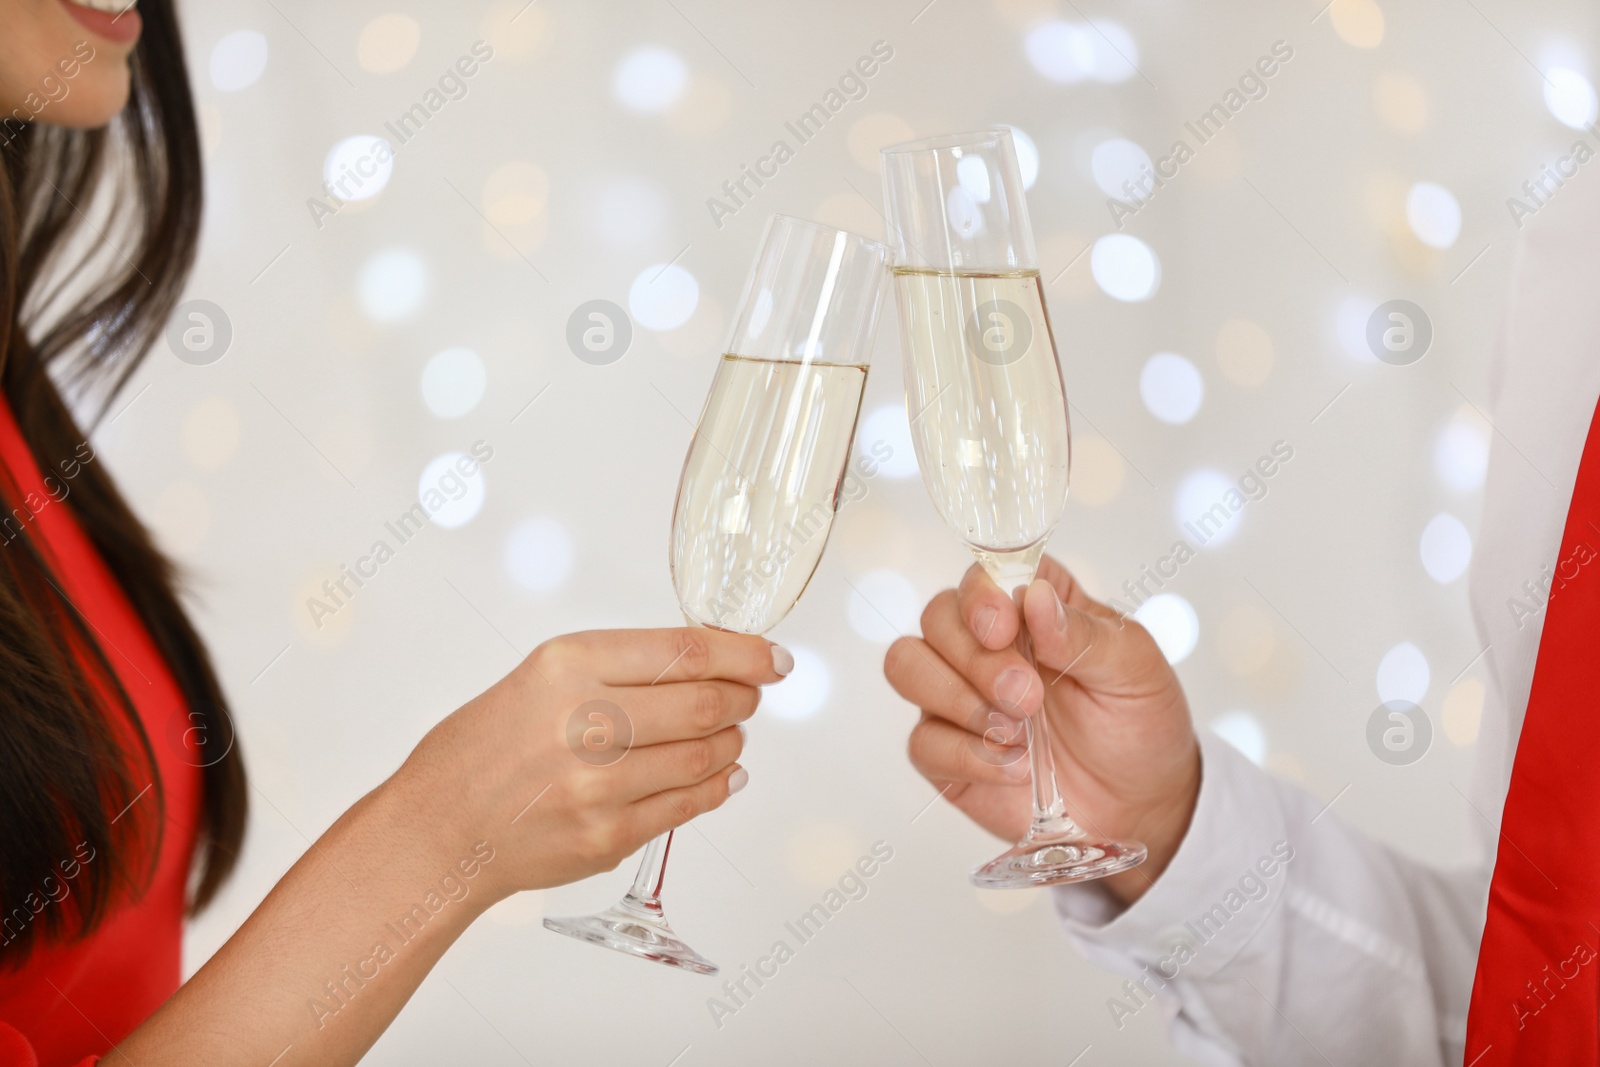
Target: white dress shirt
{"x":1351,"y":952}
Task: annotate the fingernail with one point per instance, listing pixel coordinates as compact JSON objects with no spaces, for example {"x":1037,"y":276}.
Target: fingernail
{"x":984,"y":621}
{"x":738,"y":780}
{"x":1012,"y":685}
{"x":782,"y":661}
{"x":1061,"y":612}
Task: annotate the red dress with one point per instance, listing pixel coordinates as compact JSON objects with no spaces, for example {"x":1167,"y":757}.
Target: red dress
{"x":71,"y":1001}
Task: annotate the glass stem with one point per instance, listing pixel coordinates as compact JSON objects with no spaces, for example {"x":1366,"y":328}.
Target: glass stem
{"x":645,"y":895}
{"x":1050,"y":819}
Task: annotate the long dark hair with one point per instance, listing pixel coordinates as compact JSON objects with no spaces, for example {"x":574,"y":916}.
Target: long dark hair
{"x":75,"y":762}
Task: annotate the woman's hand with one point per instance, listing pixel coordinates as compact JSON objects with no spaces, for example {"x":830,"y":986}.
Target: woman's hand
{"x":1125,"y":752}
{"x":593,"y":745}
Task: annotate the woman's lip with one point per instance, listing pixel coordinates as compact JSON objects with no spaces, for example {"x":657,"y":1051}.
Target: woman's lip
{"x":123,"y":28}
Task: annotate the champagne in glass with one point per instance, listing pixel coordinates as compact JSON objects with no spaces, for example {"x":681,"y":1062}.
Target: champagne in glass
{"x":989,"y":417}
{"x":761,"y":484}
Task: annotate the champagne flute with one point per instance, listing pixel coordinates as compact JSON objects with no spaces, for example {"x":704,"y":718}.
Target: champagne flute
{"x":989,"y":417}
{"x":761,"y":484}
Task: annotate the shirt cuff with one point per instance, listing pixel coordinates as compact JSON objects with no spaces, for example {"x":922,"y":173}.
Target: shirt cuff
{"x":1226,"y":879}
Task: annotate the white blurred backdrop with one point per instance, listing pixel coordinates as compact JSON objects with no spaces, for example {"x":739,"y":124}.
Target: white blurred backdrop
{"x":1223,"y":316}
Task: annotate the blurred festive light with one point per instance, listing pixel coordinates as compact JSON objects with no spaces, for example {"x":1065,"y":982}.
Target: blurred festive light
{"x":883,"y":606}
{"x":211,"y":433}
{"x":1461,"y":453}
{"x":1027,"y":156}
{"x":1119,"y":168}
{"x":1241,"y":730}
{"x":1125,"y":267}
{"x":1446,"y":548}
{"x":887,"y":429}
{"x":1097,"y":470}
{"x":461,"y":494}
{"x":1403,"y":674}
{"x":1463,"y":710}
{"x":358,"y":168}
{"x":663,"y":297}
{"x":973,"y":174}
{"x":1246,"y":639}
{"x":1402,"y":103}
{"x":1172,"y":622}
{"x":650,"y":79}
{"x":1244,"y":352}
{"x":1357,"y":22}
{"x":1350,"y":326}
{"x":238,"y":60}
{"x":453,"y":382}
{"x":962,"y":209}
{"x":1070,"y":52}
{"x":1434,"y":214}
{"x":515,"y":193}
{"x":1198,"y":495}
{"x":1171,"y":388}
{"x":538,"y":554}
{"x":1570,"y":98}
{"x":392,"y":284}
{"x":630,"y":210}
{"x":802,"y":694}
{"x":387,"y":43}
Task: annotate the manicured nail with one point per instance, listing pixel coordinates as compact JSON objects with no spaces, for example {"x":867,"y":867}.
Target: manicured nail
{"x":1061,"y":612}
{"x":984,"y":621}
{"x":782,"y":661}
{"x":738,"y":780}
{"x":1012,"y":686}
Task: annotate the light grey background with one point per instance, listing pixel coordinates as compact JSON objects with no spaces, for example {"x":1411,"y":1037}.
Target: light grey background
{"x":266,"y":470}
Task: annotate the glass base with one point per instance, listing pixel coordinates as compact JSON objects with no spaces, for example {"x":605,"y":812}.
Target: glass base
{"x":1057,"y":861}
{"x":636,"y":932}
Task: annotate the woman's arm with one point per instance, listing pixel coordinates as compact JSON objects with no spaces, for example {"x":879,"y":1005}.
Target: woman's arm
{"x":494,"y":800}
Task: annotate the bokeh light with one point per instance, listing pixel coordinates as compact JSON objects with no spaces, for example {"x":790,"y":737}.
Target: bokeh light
{"x":1173,"y":623}
{"x":1570,"y":98}
{"x":1197,"y":503}
{"x":453,"y":382}
{"x":1243,"y":731}
{"x":1446,"y":548}
{"x":538,"y":554}
{"x":462,"y":493}
{"x":1245,"y":352}
{"x":1118,"y":163}
{"x":393,"y":284}
{"x":387,"y":43}
{"x":1461,"y":451}
{"x":1434,"y":214}
{"x":650,"y":79}
{"x":883,"y":606}
{"x":358,"y":168}
{"x":1125,"y":267}
{"x":803,"y":693}
{"x":1171,"y":388}
{"x":663,"y":297}
{"x":237,"y":60}
{"x":883,"y":430}
{"x":1403,"y":674}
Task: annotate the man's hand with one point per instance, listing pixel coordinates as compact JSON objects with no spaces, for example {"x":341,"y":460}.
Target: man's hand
{"x":1125,"y":752}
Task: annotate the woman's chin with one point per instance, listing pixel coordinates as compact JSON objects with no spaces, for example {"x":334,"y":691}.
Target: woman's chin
{"x":89,"y":105}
